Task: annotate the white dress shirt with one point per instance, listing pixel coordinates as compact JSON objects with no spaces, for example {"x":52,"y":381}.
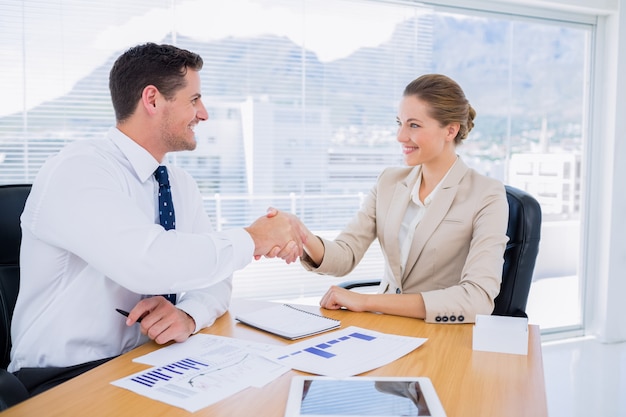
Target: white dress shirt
{"x":414,"y":213}
{"x":92,"y":243}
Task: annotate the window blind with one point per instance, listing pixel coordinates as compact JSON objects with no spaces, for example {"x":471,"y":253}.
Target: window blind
{"x":302,"y":97}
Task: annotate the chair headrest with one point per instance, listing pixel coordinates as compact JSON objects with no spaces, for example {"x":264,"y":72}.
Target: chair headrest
{"x":12,"y":200}
{"x":524,"y":214}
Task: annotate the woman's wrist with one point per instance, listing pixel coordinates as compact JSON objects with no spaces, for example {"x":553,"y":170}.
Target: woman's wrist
{"x":314,"y":249}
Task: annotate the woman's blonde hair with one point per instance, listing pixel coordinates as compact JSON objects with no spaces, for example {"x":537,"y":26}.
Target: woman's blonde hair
{"x":446,"y":100}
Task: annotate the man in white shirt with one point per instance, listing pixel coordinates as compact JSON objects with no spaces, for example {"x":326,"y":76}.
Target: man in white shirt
{"x":92,"y":242}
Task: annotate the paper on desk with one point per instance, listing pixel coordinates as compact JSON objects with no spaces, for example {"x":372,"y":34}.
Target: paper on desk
{"x":501,"y":334}
{"x":210,"y":373}
{"x":202,"y":344}
{"x":345,"y":352}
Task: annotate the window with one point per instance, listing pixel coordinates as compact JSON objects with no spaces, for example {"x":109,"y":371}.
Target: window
{"x":302,"y":99}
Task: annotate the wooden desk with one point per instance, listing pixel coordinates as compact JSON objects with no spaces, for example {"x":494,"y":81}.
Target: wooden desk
{"x":469,"y":383}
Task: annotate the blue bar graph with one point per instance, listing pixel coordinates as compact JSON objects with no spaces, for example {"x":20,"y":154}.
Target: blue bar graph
{"x":362,"y":336}
{"x":169,"y":371}
{"x":320,"y":352}
{"x":323,"y":350}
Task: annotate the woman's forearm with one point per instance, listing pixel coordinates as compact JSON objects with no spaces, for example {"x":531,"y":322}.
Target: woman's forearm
{"x":406,"y":305}
{"x":314,"y":248}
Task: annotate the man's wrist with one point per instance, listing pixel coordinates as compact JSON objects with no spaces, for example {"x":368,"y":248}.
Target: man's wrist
{"x":191,"y":322}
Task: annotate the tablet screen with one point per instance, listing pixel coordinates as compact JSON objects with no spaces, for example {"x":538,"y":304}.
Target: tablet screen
{"x":381,"y":397}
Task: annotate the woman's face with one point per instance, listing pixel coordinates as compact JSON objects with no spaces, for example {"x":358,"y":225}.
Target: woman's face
{"x":423,"y":139}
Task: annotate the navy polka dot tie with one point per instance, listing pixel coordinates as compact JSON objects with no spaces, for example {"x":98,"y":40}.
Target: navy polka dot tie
{"x":166,"y":208}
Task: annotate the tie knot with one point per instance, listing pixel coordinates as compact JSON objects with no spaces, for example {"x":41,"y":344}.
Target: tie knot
{"x":161,"y":176}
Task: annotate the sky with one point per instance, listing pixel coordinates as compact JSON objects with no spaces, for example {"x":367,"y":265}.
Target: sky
{"x":64,"y":40}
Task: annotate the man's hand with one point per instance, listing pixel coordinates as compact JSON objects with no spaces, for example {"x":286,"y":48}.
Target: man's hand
{"x":161,"y":320}
{"x":311,"y":243}
{"x":278,"y":234}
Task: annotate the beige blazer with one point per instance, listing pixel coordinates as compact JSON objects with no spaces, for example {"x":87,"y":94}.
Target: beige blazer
{"x":456,"y":258}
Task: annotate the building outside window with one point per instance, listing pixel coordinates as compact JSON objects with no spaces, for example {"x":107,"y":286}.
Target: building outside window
{"x":302,"y":98}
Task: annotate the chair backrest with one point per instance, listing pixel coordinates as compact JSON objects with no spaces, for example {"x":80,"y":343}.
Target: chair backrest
{"x":524,"y":231}
{"x":12,"y":200}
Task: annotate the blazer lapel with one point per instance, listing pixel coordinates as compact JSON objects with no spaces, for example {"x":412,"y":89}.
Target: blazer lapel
{"x":399,"y":201}
{"x":435,"y":214}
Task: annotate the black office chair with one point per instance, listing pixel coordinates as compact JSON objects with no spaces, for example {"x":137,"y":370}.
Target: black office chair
{"x":12,"y":199}
{"x":524,"y":231}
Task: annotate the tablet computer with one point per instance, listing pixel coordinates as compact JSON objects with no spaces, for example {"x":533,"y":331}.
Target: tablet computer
{"x":321,"y":396}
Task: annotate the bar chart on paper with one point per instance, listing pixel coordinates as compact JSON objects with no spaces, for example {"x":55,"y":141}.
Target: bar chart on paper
{"x":346,"y":352}
{"x":325,"y":349}
{"x":168,"y":372}
{"x":192,"y":383}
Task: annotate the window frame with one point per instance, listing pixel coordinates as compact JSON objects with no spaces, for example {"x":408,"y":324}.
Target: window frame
{"x":600,"y":220}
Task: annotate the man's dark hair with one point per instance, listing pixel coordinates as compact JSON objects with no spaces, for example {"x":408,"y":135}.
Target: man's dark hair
{"x":163,"y":66}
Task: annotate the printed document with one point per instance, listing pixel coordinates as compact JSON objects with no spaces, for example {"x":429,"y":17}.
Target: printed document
{"x":209,"y":369}
{"x":203,"y":344}
{"x":345,"y":352}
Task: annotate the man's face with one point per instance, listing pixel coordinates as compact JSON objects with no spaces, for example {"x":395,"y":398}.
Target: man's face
{"x":181,"y":114}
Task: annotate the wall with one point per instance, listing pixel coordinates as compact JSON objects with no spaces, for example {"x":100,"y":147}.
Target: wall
{"x":604,"y":238}
{"x":605,"y":248}
{"x":607,"y":282}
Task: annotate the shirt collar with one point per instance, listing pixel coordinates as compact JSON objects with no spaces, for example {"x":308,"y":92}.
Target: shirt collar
{"x":142,"y":162}
{"x":416,"y":188}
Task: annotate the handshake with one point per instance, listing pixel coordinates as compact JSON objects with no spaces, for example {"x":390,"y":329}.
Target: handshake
{"x":278,"y":234}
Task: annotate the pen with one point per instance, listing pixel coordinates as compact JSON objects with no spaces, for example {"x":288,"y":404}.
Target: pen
{"x":125,"y":313}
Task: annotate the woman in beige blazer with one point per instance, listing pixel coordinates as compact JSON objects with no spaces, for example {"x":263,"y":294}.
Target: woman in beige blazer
{"x":441,"y":225}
